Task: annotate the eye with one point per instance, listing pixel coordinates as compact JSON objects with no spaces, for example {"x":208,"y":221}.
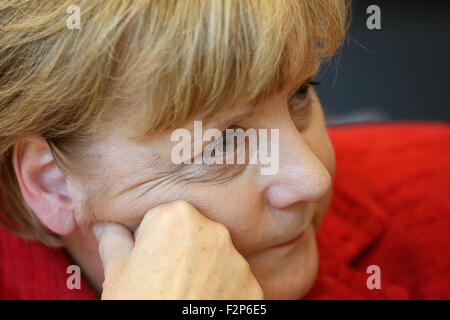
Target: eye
{"x":231,"y":148}
{"x":226,"y":143}
{"x":302,"y":93}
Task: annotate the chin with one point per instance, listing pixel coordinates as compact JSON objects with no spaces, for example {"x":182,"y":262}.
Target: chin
{"x":287,"y":273}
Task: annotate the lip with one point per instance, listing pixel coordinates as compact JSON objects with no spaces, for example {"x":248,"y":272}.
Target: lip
{"x":290,"y":242}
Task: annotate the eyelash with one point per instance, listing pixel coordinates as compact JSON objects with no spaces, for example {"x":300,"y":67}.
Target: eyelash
{"x":226,"y":172}
{"x":226,"y":140}
{"x":304,"y":89}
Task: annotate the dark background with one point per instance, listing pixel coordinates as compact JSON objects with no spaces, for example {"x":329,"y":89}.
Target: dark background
{"x":400,"y":72}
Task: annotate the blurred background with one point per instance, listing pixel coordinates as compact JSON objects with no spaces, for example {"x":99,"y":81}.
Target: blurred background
{"x":400,"y":72}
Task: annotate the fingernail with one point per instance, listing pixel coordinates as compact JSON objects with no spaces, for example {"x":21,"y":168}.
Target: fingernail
{"x":97,"y":229}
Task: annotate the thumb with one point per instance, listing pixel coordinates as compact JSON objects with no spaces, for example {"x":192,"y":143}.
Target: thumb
{"x":115,"y":242}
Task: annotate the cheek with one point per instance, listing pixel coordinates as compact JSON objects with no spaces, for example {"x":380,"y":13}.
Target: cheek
{"x":316,"y":136}
{"x":321,"y":209}
{"x":238,"y":207}
{"x":327,"y":157}
{"x":319,"y":142}
{"x":323,"y":150}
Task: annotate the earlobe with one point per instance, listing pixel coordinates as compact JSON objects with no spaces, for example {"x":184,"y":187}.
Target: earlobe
{"x":43,"y":185}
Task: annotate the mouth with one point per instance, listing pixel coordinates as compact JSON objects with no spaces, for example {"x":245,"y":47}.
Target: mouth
{"x":299,"y":236}
{"x":292,"y":241}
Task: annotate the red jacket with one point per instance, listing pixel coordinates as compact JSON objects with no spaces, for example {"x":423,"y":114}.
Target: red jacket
{"x":390,"y":208}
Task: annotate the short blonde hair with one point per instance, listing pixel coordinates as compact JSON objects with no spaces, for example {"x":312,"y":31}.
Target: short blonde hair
{"x":188,"y":56}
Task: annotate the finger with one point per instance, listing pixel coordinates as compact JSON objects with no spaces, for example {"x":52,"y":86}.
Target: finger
{"x":115,"y":242}
{"x":175,"y":211}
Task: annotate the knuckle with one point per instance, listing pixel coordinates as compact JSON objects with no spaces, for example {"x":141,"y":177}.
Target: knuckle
{"x":180,"y":214}
{"x":258,"y":293}
{"x":220,"y":229}
{"x":183,"y":209}
{"x":222,"y":234}
{"x":179,"y":208}
{"x":242,"y":264}
{"x":169,"y":211}
{"x":181,"y":205}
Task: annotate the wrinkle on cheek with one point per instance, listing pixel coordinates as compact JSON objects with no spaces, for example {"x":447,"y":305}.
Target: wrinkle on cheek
{"x":129,"y":206}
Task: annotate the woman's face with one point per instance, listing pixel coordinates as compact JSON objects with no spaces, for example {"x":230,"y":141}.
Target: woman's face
{"x":265,"y":214}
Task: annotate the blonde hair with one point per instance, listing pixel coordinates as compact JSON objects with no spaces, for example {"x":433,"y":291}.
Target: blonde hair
{"x":187,"y":56}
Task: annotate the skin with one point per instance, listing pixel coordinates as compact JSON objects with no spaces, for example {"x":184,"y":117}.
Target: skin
{"x":260,"y":212}
{"x":177,"y":253}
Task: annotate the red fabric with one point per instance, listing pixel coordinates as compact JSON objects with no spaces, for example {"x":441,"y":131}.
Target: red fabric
{"x":390,"y":207}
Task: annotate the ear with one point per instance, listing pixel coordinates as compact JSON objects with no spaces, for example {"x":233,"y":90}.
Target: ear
{"x":43,"y":185}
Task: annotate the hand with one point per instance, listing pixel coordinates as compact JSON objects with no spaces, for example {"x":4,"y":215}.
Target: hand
{"x":177,"y":253}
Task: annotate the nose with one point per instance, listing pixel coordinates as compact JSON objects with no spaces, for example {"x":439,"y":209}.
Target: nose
{"x":301,"y":175}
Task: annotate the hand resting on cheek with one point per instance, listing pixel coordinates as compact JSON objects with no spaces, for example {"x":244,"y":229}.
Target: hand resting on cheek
{"x":177,"y":253}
